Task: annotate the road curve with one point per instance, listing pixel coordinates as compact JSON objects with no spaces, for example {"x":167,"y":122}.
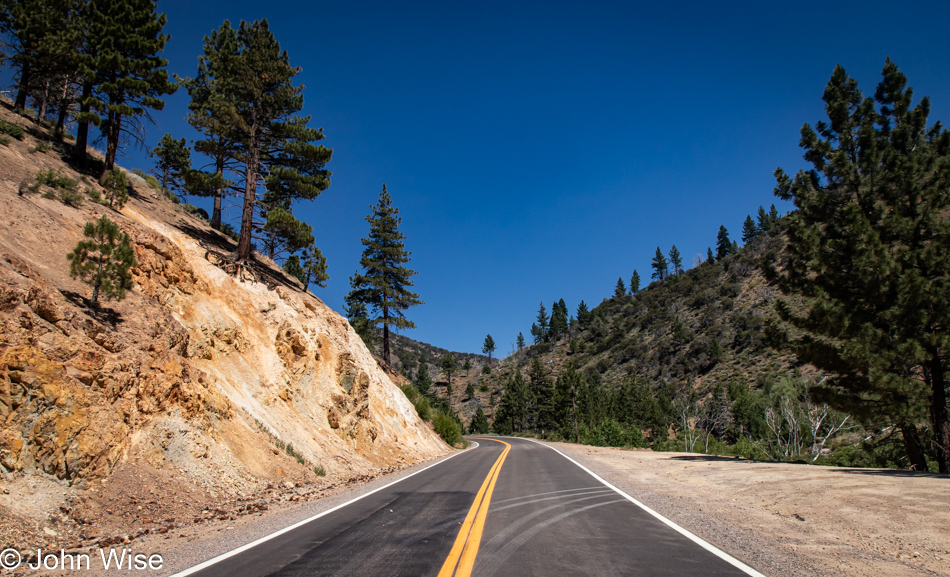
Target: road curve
{"x":507,"y":508}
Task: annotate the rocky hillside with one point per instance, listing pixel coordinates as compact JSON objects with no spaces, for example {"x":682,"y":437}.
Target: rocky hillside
{"x":210,"y":380}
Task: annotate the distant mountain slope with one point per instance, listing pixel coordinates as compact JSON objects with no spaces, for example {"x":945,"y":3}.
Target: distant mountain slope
{"x":694,"y":330}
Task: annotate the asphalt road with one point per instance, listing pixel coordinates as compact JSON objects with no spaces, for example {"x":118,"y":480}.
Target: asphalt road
{"x":507,"y":508}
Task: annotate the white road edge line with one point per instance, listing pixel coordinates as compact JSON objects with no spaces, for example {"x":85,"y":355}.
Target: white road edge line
{"x":252,"y":544}
{"x":705,"y":545}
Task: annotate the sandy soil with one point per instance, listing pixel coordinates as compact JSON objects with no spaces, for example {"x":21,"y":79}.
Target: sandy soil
{"x":789,"y":519}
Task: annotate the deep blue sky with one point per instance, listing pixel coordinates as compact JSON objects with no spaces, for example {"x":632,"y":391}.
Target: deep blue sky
{"x":538,"y":151}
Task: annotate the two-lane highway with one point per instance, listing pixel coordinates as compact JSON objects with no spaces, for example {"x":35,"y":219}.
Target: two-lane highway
{"x":509,"y":507}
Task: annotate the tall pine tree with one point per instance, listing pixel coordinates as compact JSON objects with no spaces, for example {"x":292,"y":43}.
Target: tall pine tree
{"x":866,"y":266}
{"x":676,"y":260}
{"x":634,"y":283}
{"x":661,"y":266}
{"x":384,"y":283}
{"x":723,"y":245}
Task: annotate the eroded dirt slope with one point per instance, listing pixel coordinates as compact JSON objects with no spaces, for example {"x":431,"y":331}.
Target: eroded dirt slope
{"x":184,"y":396}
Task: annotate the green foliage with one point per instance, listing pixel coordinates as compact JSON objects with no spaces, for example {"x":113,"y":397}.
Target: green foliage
{"x":5,"y":140}
{"x":94,"y":194}
{"x":479,"y":424}
{"x":423,"y":379}
{"x":469,"y":391}
{"x":676,"y":260}
{"x":117,"y":188}
{"x":41,"y":147}
{"x":320,"y":471}
{"x":486,"y":370}
{"x":385,"y":281}
{"x":749,"y":230}
{"x":865,"y":266}
{"x":723,"y":245}
{"x":519,"y":341}
{"x":172,"y":162}
{"x":488,"y":347}
{"x":634,"y":287}
{"x":619,"y":289}
{"x":449,"y":364}
{"x":14,"y":130}
{"x":195,"y":210}
{"x":103,"y":260}
{"x":660,"y":265}
{"x":447,"y":428}
{"x":123,"y":40}
{"x":539,"y":329}
{"x":71,"y":196}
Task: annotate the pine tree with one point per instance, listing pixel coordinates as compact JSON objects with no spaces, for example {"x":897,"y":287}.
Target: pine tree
{"x":764,"y":223}
{"x":314,"y":267}
{"x":104,"y":260}
{"x":660,"y":265}
{"x":449,"y":364}
{"x":260,"y":103}
{"x":212,"y":104}
{"x":865,"y":268}
{"x":117,"y":187}
{"x":383,"y":285}
{"x":488,"y":347}
{"x":723,"y":246}
{"x":583,"y":315}
{"x":749,"y":230}
{"x":710,"y":257}
{"x":634,"y":283}
{"x":423,"y":380}
{"x":129,"y":77}
{"x":282,"y":232}
{"x":467,"y":367}
{"x":539,"y":330}
{"x":479,"y":424}
{"x":558,"y":325}
{"x":172,"y":162}
{"x":620,"y":289}
{"x":676,"y":260}
{"x":519,"y":342}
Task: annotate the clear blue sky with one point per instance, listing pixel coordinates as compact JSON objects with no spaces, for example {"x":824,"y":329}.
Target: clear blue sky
{"x":538,"y":151}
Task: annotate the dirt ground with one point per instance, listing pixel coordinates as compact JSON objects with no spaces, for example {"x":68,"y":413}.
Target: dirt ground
{"x":791,"y":519}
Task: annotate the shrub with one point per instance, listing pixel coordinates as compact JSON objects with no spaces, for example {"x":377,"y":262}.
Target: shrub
{"x":94,"y":194}
{"x":11,"y":129}
{"x":71,"y":197}
{"x":116,"y":184}
{"x":319,"y":470}
{"x":486,"y":370}
{"x":5,"y":140}
{"x":41,"y":147}
{"x":447,"y":428}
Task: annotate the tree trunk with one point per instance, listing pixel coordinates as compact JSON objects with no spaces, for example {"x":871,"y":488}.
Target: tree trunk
{"x":112,"y":141}
{"x":82,"y":129}
{"x":61,"y":119}
{"x":938,"y":414}
{"x":22,"y":89}
{"x":216,"y":212}
{"x":43,"y":103}
{"x":915,"y":451}
{"x":250,"y":192}
{"x":386,"y":335}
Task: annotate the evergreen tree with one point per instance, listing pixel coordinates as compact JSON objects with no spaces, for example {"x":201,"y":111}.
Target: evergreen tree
{"x":488,"y":347}
{"x":383,"y":284}
{"x":423,"y":380}
{"x":539,"y":330}
{"x":283,"y":233}
{"x":660,"y":265}
{"x":676,"y":260}
{"x":314,"y":267}
{"x":449,"y":364}
{"x":467,"y":367}
{"x":479,"y":424}
{"x":558,"y":324}
{"x":543,"y":389}
{"x":634,"y":283}
{"x":865,"y":267}
{"x":749,"y":230}
{"x":723,"y":245}
{"x":212,"y":104}
{"x":583,"y":315}
{"x":103,"y":260}
{"x":710,"y":257}
{"x":117,"y":187}
{"x":773,"y":215}
{"x":129,"y":78}
{"x":520,"y":341}
{"x":763,"y":221}
{"x":620,"y":289}
{"x":260,"y":104}
{"x":172,"y":162}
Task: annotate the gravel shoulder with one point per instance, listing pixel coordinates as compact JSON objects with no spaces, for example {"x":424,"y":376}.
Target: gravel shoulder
{"x":788,"y":519}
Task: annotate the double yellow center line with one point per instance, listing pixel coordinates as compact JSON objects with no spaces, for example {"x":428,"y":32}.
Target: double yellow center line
{"x":462,"y":557}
